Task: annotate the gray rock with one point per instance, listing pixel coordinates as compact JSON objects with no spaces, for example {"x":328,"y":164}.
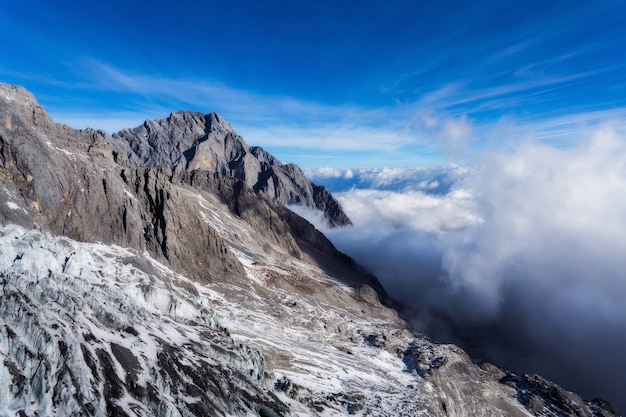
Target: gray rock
{"x":281,"y":227}
{"x":194,"y":141}
{"x":66,"y":181}
{"x":541,"y":397}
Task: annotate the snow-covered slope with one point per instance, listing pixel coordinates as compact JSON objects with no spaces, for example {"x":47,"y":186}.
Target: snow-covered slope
{"x":91,"y":329}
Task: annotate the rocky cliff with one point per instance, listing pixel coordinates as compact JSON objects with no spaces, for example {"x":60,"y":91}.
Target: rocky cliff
{"x":143,"y":281}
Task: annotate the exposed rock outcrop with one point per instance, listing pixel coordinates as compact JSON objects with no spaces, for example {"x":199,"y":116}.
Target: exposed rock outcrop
{"x":66,"y":181}
{"x":287,"y":230}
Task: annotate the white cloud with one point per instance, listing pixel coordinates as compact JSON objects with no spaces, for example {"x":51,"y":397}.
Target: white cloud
{"x":548,"y":263}
{"x":457,"y":128}
{"x":492,"y":94}
{"x":388,"y":175}
{"x":563,"y":209}
{"x":375,"y":211}
{"x":326,"y":172}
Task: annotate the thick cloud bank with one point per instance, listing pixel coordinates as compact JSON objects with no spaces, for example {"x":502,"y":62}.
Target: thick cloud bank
{"x":522,"y":262}
{"x":431,"y":180}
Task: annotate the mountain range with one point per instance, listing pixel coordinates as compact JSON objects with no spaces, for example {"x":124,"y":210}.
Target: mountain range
{"x":158,"y":272}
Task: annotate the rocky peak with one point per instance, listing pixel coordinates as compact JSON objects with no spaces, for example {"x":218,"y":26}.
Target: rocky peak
{"x":17,"y":100}
{"x":219,"y":124}
{"x":194,"y":141}
{"x":16,"y":95}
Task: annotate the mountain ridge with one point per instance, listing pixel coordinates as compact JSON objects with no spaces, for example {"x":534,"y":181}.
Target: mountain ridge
{"x":189,"y":141}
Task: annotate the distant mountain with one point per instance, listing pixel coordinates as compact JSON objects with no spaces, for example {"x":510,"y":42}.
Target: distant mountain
{"x":140,"y":276}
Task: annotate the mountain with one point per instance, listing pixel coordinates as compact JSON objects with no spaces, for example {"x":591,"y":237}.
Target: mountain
{"x":158,"y":281}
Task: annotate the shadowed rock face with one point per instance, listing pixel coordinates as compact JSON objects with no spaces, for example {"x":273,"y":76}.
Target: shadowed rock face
{"x":208,"y":261}
{"x":195,"y":141}
{"x":73,"y":183}
{"x":293,"y":234}
{"x":66,"y":181}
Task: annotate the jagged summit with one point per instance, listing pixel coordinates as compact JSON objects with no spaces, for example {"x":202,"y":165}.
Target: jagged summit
{"x":172,"y":141}
{"x":190,"y":141}
{"x":18,"y":96}
{"x":17,"y":100}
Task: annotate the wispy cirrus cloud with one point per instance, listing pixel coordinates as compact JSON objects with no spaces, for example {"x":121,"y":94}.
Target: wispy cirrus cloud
{"x":245,"y":105}
{"x":480,"y":94}
{"x":277,"y":122}
{"x":439,"y":124}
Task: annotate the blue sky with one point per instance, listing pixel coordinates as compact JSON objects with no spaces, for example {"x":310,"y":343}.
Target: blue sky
{"x":320,"y":83}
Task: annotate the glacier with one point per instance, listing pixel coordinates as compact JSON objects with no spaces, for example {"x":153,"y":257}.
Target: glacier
{"x":94,"y":329}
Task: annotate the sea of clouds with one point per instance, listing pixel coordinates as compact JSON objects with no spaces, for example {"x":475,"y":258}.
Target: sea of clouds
{"x":519,"y":257}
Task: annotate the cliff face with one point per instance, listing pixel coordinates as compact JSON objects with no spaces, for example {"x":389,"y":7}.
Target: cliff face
{"x":67,"y":182}
{"x":194,"y":141}
{"x":74,"y":184}
{"x":150,"y":280}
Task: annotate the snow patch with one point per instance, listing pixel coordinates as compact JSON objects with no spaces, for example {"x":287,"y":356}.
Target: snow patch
{"x":14,"y":206}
